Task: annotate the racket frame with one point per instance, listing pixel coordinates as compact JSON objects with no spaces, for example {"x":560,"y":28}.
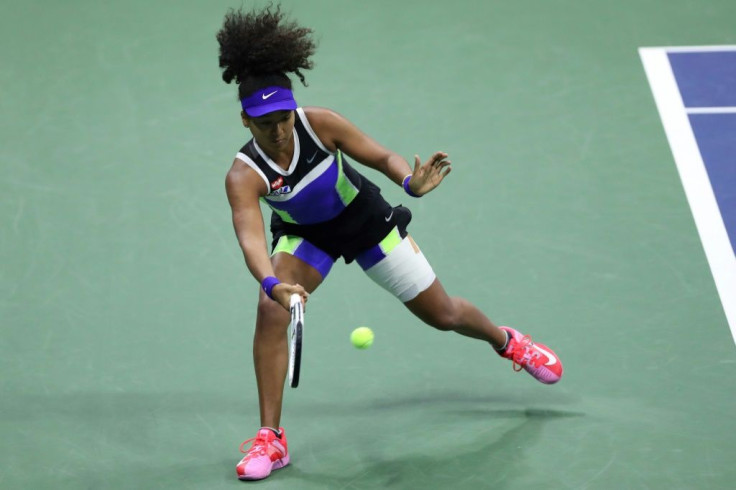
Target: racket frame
{"x":295,"y":337}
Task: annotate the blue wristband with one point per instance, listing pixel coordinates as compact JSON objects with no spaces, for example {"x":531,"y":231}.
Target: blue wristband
{"x":268,"y":283}
{"x":405,"y":184}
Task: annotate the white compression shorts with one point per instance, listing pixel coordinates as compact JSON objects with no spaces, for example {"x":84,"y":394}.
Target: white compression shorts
{"x":398,"y":266}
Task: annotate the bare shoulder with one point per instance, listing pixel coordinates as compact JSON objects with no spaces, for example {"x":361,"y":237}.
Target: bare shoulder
{"x":237,"y":173}
{"x":327,"y":124}
{"x":320,"y":114}
{"x":241,"y":180}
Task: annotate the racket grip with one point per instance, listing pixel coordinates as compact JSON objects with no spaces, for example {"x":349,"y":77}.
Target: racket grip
{"x":295,"y":298}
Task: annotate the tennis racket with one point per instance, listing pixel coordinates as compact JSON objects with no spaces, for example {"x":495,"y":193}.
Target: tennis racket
{"x":296,"y":333}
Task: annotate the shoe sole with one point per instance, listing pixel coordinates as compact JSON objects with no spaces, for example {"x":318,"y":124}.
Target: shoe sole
{"x":276,"y":465}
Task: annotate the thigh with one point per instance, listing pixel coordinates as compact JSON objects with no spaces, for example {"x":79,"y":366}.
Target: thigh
{"x":293,"y":270}
{"x":294,"y":261}
{"x":297,"y":260}
{"x":399,"y":266}
{"x":288,"y":269}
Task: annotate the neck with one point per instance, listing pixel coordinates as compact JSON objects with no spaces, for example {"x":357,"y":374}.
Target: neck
{"x":281,"y":155}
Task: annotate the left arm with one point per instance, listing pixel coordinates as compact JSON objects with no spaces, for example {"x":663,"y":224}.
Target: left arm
{"x":338,"y":133}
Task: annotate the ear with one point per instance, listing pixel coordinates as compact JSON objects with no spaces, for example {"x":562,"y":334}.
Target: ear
{"x":246,"y":120}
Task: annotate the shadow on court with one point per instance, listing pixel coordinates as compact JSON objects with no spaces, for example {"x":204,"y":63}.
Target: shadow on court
{"x":437,"y":399}
{"x":490,"y":458}
{"x":124,"y":440}
{"x":442,"y":439}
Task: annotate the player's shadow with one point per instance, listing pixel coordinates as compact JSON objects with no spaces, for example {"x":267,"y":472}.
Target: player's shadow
{"x":487,"y":461}
{"x":464,"y":402}
{"x":459,"y":398}
{"x":130,"y":424}
{"x":491,"y":458}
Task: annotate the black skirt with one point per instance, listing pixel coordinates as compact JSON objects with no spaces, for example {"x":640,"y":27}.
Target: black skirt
{"x":364,"y":223}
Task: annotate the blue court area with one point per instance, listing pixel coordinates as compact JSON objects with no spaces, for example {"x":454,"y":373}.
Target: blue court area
{"x":707,"y":84}
{"x":716,"y":137}
{"x":706,"y":78}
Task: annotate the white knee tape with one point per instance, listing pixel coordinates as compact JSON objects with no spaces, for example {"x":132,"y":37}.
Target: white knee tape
{"x":404,"y":272}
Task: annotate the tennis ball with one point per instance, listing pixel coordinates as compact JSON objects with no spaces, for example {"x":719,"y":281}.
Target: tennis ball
{"x":362,"y":337}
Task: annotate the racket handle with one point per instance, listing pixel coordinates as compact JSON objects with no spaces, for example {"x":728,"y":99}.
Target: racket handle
{"x":295,"y":298}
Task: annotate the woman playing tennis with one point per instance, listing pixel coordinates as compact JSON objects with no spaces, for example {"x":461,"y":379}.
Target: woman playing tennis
{"x":322,"y":209}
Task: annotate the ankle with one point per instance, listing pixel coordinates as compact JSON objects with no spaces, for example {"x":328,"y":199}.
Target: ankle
{"x":277,"y":432}
{"x":502,"y":348}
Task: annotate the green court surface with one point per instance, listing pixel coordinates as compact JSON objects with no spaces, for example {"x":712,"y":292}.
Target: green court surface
{"x":127,"y":311}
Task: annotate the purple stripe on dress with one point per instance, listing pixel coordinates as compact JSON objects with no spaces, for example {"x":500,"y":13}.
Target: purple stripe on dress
{"x":315,"y":257}
{"x":370,"y":257}
{"x":316,"y":203}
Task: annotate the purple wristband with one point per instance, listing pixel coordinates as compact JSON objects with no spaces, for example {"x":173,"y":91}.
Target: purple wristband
{"x":405,"y":184}
{"x":268,"y":283}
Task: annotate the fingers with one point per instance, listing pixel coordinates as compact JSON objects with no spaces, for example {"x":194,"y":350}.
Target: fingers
{"x":299,"y":289}
{"x":438,"y":160}
{"x":441,"y":168}
{"x":439,"y":156}
{"x":295,"y":289}
{"x":442,"y":164}
{"x":437,"y":165}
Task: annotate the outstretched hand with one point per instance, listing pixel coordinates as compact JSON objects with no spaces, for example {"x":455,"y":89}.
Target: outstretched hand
{"x":429,"y":175}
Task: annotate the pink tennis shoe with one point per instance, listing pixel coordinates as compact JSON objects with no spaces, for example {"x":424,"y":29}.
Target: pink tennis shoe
{"x":536,"y":359}
{"x":267,"y":453}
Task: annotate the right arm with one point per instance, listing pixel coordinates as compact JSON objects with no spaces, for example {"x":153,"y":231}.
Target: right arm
{"x":244,"y":187}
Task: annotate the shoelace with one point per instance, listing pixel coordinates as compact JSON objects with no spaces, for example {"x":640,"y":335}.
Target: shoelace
{"x":258,"y":448}
{"x":523,"y":353}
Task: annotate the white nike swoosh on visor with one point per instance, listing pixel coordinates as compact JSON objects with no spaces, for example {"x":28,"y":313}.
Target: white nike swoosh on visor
{"x":266,"y":96}
{"x":552,"y":359}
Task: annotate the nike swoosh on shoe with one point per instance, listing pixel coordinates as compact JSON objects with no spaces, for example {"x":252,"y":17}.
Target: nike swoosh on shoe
{"x":552,"y":359}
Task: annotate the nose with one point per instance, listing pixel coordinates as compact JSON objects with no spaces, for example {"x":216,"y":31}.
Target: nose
{"x":281,"y":129}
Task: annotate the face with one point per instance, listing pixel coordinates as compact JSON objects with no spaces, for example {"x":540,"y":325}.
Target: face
{"x":272,"y":131}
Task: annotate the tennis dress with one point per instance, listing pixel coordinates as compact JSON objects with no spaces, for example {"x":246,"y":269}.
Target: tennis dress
{"x":322,"y":199}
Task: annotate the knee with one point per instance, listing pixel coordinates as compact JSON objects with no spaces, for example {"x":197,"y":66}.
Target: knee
{"x":270,"y":315}
{"x":444,"y":323}
{"x":446,"y":318}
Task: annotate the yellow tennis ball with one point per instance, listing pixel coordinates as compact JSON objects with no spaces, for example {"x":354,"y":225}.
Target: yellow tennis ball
{"x":362,"y":337}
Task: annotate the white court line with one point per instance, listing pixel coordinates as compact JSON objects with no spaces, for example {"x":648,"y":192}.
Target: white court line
{"x":693,"y":174}
{"x":711,"y":110}
{"x":692,"y":49}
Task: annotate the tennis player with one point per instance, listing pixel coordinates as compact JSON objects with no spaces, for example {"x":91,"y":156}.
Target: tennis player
{"x":322,"y":209}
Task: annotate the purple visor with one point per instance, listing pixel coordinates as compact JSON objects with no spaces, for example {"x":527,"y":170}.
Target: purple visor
{"x":267,"y":100}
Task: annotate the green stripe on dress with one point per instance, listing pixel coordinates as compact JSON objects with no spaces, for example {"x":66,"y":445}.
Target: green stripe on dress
{"x":284,"y":215}
{"x":390,"y":241}
{"x":345,"y":189}
{"x":288,"y":244}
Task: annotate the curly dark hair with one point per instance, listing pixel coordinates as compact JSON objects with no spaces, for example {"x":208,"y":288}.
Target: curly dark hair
{"x":259,"y":48}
